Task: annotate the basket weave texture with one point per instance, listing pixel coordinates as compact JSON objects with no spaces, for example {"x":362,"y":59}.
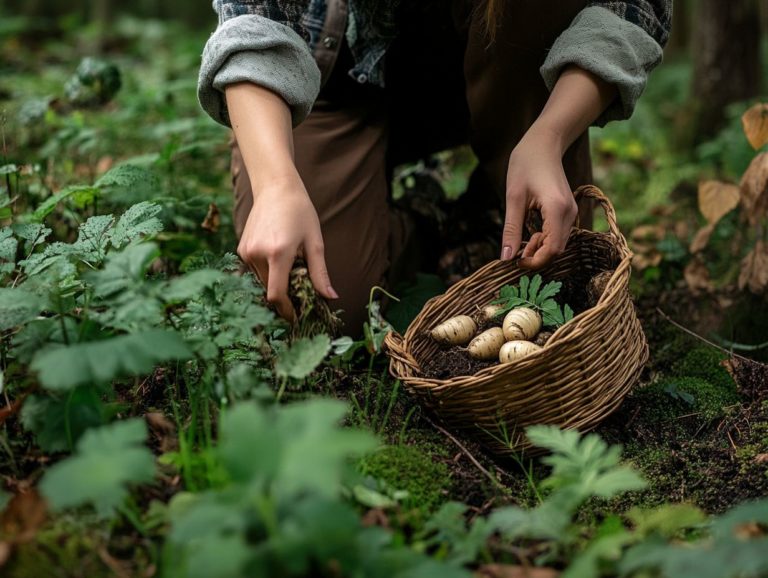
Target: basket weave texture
{"x":580,"y":376}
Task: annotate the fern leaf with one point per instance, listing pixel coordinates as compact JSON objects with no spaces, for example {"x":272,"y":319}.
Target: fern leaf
{"x":533,"y":289}
{"x":525,"y":281}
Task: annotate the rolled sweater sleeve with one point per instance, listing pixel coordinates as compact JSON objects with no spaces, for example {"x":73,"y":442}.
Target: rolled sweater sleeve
{"x":614,"y":47}
{"x":257,"y":49}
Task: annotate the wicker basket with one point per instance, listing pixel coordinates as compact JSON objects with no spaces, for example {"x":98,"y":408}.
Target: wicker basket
{"x":582,"y":374}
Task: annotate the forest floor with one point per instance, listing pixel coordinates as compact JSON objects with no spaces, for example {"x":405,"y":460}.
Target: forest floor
{"x":695,"y":427}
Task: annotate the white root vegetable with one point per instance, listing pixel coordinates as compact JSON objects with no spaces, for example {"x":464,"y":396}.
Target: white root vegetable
{"x":487,"y":345}
{"x":455,"y":331}
{"x":514,"y":350}
{"x":489,"y":312}
{"x":521,"y":324}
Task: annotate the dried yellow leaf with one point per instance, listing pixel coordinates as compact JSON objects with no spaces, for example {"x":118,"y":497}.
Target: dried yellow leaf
{"x":755,"y":123}
{"x":702,"y":238}
{"x":754,"y":269}
{"x":754,"y":189}
{"x":717,"y":199}
{"x":697,"y":276}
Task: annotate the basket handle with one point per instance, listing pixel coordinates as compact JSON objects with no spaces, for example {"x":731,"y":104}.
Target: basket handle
{"x":394,"y":343}
{"x":592,"y":192}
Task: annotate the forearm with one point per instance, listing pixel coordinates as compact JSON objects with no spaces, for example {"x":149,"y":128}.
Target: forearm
{"x":577,"y":100}
{"x":261,"y":121}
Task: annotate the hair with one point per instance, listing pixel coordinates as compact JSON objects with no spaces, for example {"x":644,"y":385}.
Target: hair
{"x":492,"y":16}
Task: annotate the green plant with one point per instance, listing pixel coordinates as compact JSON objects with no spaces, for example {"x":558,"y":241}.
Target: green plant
{"x":282,"y":513}
{"x":530,"y":293}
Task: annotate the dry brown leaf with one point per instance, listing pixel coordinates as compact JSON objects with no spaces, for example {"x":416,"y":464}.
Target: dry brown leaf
{"x":507,"y":571}
{"x":681,"y":229}
{"x":761,"y":459}
{"x":23,"y":516}
{"x":697,"y":276}
{"x":749,"y":531}
{"x":212,"y":220}
{"x":104,"y":164}
{"x":648,"y":233}
{"x":755,"y":123}
{"x":754,"y":269}
{"x":164,"y":431}
{"x":717,"y":199}
{"x":641,"y":261}
{"x":754,"y":189}
{"x":702,"y":238}
{"x":5,"y":553}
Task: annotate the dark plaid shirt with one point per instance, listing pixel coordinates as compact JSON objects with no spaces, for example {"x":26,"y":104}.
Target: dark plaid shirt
{"x":372,"y":26}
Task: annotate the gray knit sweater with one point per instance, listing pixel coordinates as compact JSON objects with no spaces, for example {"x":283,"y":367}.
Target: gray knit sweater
{"x":253,"y":48}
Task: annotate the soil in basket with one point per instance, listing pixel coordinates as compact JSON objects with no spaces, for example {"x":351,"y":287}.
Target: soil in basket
{"x":453,"y":362}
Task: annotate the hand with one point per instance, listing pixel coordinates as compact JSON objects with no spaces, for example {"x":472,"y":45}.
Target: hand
{"x":536,"y":180}
{"x":282,"y":224}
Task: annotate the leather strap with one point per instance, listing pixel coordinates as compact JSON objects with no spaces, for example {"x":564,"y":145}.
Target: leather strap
{"x":331,"y":38}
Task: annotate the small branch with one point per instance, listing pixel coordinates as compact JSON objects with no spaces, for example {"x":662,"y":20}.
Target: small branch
{"x":699,"y":337}
{"x":467,"y":453}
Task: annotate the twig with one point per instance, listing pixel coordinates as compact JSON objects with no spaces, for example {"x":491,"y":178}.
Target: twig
{"x":699,"y":337}
{"x":467,"y":453}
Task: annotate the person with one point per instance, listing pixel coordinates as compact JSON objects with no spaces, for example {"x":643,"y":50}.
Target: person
{"x":325,"y":96}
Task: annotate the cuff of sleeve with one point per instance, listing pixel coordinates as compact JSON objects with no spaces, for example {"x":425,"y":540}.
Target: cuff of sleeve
{"x":255,"y":49}
{"x":613,"y":49}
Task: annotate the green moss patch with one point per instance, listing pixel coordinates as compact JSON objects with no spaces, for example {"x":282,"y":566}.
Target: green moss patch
{"x":413,"y":469}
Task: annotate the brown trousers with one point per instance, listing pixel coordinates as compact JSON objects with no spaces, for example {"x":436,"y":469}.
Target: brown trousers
{"x":446,"y":84}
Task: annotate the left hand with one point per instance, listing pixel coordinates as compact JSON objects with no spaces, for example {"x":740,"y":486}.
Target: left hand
{"x":536,"y":180}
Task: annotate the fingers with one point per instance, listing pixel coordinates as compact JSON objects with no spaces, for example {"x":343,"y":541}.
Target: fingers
{"x":277,"y":286}
{"x":533,"y":245}
{"x":559,"y":215}
{"x":318,"y":272}
{"x":512,"y":235}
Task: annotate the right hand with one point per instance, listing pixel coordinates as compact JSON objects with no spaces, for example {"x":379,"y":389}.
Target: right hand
{"x":282,"y":225}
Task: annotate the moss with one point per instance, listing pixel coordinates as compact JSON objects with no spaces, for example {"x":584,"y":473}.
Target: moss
{"x":707,"y":399}
{"x":414,"y":470}
{"x":705,"y":363}
{"x":68,"y":546}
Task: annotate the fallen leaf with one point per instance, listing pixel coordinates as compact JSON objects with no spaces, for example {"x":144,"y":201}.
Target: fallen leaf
{"x":212,"y":220}
{"x":754,"y":189}
{"x":648,"y":233}
{"x":749,"y":531}
{"x":697,"y":276}
{"x":12,"y":409}
{"x":641,"y":261}
{"x":164,"y":431}
{"x":701,"y":238}
{"x":23,"y":516}
{"x":159,"y":423}
{"x":665,"y":210}
{"x":104,"y":164}
{"x":761,"y":459}
{"x":5,"y":553}
{"x":681,"y":229}
{"x":375,"y":517}
{"x":755,"y":123}
{"x":507,"y":571}
{"x":717,"y":199}
{"x":754,"y":269}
